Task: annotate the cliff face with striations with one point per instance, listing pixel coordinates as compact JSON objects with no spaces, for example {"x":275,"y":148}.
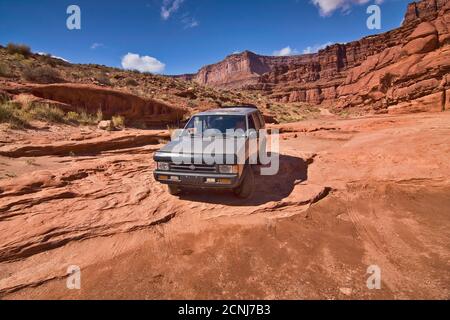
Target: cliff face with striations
{"x":376,"y":72}
{"x":239,"y":70}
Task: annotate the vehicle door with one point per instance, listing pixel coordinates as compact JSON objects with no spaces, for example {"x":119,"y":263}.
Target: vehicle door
{"x":253,"y":136}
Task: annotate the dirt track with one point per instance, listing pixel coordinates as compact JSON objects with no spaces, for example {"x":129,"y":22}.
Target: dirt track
{"x":349,"y":194}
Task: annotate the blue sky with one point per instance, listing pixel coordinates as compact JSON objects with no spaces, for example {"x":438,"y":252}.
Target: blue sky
{"x":180,"y":36}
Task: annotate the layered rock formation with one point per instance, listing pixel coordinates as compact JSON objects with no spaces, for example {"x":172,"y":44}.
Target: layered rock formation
{"x":375,"y":72}
{"x":91,"y":98}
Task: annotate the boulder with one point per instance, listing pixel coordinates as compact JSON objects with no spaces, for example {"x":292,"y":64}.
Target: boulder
{"x":422,"y":45}
{"x":423,"y":30}
{"x":106,"y":125}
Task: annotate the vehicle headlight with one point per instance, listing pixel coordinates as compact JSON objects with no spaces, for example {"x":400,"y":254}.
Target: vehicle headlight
{"x":163,"y":166}
{"x":228,"y":169}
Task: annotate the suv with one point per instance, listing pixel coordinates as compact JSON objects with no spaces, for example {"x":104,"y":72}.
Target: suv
{"x":199,"y":155}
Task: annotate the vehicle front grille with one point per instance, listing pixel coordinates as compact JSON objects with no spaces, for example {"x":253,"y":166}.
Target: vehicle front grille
{"x":203,"y":168}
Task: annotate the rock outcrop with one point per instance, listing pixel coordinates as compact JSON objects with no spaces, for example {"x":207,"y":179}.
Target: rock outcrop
{"x":373,"y":73}
{"x":91,"y":98}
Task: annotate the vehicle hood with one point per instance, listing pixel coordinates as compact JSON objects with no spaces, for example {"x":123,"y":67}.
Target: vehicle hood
{"x":205,"y":148}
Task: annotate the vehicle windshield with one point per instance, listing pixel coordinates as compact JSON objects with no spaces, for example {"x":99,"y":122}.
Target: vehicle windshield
{"x":220,"y":123}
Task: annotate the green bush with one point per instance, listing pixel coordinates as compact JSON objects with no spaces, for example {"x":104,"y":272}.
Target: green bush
{"x":118,"y":121}
{"x":22,"y":49}
{"x":44,"y":74}
{"x":72,"y":117}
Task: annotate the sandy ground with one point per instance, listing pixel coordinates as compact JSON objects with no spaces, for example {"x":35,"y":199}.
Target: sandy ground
{"x":349,"y":194}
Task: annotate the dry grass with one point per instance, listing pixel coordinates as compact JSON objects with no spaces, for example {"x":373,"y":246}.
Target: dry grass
{"x":83,"y":118}
{"x":4,"y":70}
{"x":19,"y":116}
{"x":42,"y":74}
{"x":10,"y":114}
{"x":118,"y":121}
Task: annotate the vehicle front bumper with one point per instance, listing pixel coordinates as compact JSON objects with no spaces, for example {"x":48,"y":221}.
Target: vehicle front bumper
{"x":197,"y":180}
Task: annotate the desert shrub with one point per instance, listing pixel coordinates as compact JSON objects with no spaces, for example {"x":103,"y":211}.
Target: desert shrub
{"x":191,"y":104}
{"x":47,"y":59}
{"x":19,"y":115}
{"x":131,"y":82}
{"x":43,"y":74}
{"x":10,"y":113}
{"x":31,"y":162}
{"x":72,"y":117}
{"x":82,"y":117}
{"x":118,"y":121}
{"x":52,"y":61}
{"x":45,"y":112}
{"x":88,"y":118}
{"x":103,"y":78}
{"x":99,"y":115}
{"x":140,"y":124}
{"x":21,"y":49}
{"x":4,"y":70}
{"x":386,"y":82}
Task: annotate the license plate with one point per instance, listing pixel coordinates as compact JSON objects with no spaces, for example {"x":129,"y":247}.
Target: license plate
{"x":193,"y":180}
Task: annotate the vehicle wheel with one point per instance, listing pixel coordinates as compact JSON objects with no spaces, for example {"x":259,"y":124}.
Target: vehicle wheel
{"x":174,"y":190}
{"x":245,"y":190}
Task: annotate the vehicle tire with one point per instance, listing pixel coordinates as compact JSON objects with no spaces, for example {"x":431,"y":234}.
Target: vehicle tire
{"x":245,"y":190}
{"x":174,"y":190}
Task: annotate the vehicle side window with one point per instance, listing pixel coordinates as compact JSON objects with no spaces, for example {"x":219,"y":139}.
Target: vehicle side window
{"x":256,"y":120}
{"x":261,"y":120}
{"x":251,"y":123}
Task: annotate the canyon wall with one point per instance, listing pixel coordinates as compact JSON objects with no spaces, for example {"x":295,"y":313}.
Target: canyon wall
{"x":376,"y":72}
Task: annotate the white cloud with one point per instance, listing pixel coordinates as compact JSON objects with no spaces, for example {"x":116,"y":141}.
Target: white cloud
{"x":327,"y":7}
{"x":316,"y":48}
{"x":133,"y":61}
{"x":96,"y":45}
{"x":169,"y":7}
{"x":56,"y":57}
{"x":189,"y":22}
{"x":288,"y":51}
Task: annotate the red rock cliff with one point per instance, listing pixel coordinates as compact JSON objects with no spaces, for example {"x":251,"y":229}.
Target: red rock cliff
{"x":382,"y":70}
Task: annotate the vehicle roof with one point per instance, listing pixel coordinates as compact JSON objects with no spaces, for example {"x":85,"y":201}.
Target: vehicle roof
{"x":238,"y":111}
